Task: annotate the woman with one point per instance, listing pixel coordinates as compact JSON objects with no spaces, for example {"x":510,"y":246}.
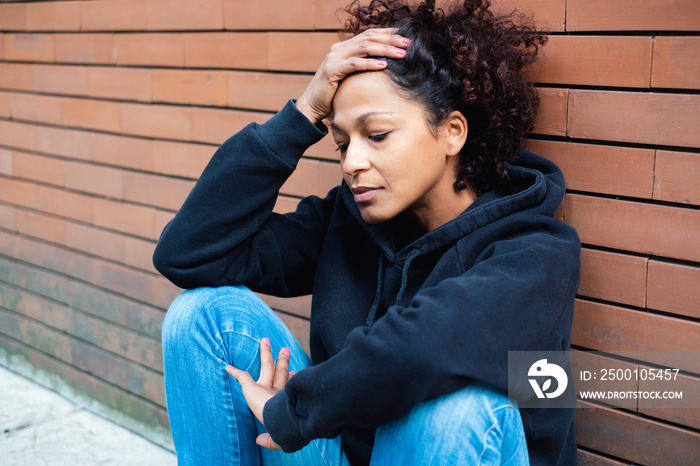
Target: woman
{"x":436,"y":256}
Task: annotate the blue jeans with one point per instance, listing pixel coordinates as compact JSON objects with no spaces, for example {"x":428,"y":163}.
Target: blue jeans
{"x":208,"y":328}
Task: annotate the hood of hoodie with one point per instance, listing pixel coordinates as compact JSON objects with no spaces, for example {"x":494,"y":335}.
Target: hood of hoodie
{"x":538,"y":188}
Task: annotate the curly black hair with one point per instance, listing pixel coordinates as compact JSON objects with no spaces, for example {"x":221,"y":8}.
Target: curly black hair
{"x":469,"y":60}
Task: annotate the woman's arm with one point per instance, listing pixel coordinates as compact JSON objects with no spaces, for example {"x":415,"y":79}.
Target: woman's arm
{"x":226,"y":233}
{"x":519,"y":297}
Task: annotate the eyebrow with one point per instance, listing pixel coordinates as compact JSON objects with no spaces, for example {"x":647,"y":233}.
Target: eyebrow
{"x":361,"y":119}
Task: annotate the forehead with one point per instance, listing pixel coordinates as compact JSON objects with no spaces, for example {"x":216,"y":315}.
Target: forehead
{"x":362,"y":96}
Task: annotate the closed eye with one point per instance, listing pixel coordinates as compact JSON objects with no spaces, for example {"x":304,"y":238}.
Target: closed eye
{"x":378,"y":137}
{"x":342,"y":147}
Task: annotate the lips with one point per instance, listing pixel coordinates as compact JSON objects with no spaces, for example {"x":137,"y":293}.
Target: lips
{"x":364,"y":193}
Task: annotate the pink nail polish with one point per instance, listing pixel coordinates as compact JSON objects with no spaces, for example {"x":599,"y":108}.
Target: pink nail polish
{"x":286,"y":351}
{"x":406,"y":40}
{"x":401,"y":51}
{"x":266,"y":341}
{"x":381,"y":62}
{"x":291,"y":373}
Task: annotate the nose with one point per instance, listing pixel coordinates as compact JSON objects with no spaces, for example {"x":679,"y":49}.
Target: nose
{"x":355,"y":160}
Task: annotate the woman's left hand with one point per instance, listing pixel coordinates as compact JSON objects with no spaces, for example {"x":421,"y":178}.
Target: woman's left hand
{"x":273,"y":378}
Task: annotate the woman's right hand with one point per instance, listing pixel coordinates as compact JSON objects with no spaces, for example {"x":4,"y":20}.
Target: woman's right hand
{"x":345,"y":58}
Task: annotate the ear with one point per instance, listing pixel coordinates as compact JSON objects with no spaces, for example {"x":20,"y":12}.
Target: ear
{"x":455,"y":130}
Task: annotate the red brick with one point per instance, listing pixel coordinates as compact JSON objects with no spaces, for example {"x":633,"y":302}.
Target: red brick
{"x":158,"y":191}
{"x":246,"y":14}
{"x":285,"y":204}
{"x":38,"y":168}
{"x":120,"y":83}
{"x":668,"y":119}
{"x":21,"y":193}
{"x":16,"y":76}
{"x":122,"y":151}
{"x":2,"y":45}
{"x":115,"y":15}
{"x":94,"y":179}
{"x":54,"y":16}
{"x":299,"y":306}
{"x":151,"y":49}
{"x":304,"y":180}
{"x":13,"y":17}
{"x":159,"y":121}
{"x":7,"y":213}
{"x":299,"y":51}
{"x":552,"y":115}
{"x":226,"y":50}
{"x":676,"y":177}
{"x":18,"y":135}
{"x":216,"y":126}
{"x":682,"y":415}
{"x":41,"y":226}
{"x":264,"y":91}
{"x":29,"y":47}
{"x":632,"y":15}
{"x":128,"y":218}
{"x":162,"y":219}
{"x":5,"y":104}
{"x":139,"y":253}
{"x":586,"y":458}
{"x":547,"y":14}
{"x":6,"y":162}
{"x":62,"y":141}
{"x":595,"y":61}
{"x":65,"y":204}
{"x":57,"y":79}
{"x":324,"y":149}
{"x":601,"y":169}
{"x":613,"y":277}
{"x":93,"y":114}
{"x":329,"y":176}
{"x":633,"y":438}
{"x":86,"y":48}
{"x":180,"y":159}
{"x":674,"y":288}
{"x":108,"y":394}
{"x":330,"y":14}
{"x":191,"y":15}
{"x":676,"y":62}
{"x":38,"y":108}
{"x":191,"y":87}
{"x":604,"y":327}
{"x":650,"y":229}
{"x":594,"y":361}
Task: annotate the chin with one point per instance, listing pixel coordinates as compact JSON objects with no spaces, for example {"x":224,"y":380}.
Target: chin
{"x":373,"y":217}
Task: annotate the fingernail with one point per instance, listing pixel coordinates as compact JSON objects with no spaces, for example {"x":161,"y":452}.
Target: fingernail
{"x":406,"y":40}
{"x":229,"y":367}
{"x":401,"y":51}
{"x":381,"y":62}
{"x":291,"y":373}
{"x":266,"y":341}
{"x":285,"y":351}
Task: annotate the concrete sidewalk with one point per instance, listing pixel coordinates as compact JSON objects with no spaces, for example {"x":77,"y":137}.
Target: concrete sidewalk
{"x":40,"y":427}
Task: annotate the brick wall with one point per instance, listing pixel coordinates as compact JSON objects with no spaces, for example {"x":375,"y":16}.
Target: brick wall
{"x":110,"y":109}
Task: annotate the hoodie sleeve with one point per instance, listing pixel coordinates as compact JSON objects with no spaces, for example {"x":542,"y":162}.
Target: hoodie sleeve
{"x":226,"y":233}
{"x":519,"y":296}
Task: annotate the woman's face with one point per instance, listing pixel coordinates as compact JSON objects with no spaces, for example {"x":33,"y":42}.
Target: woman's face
{"x":390,"y":158}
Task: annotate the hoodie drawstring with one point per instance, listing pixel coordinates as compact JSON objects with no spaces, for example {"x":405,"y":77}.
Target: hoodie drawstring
{"x":380,"y":284}
{"x":378,"y":293}
{"x":404,"y":274}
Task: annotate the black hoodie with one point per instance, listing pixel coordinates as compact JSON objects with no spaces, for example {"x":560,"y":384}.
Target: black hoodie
{"x":392,"y":325}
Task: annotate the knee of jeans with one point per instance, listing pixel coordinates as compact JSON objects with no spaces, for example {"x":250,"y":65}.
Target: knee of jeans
{"x":195,"y":310}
